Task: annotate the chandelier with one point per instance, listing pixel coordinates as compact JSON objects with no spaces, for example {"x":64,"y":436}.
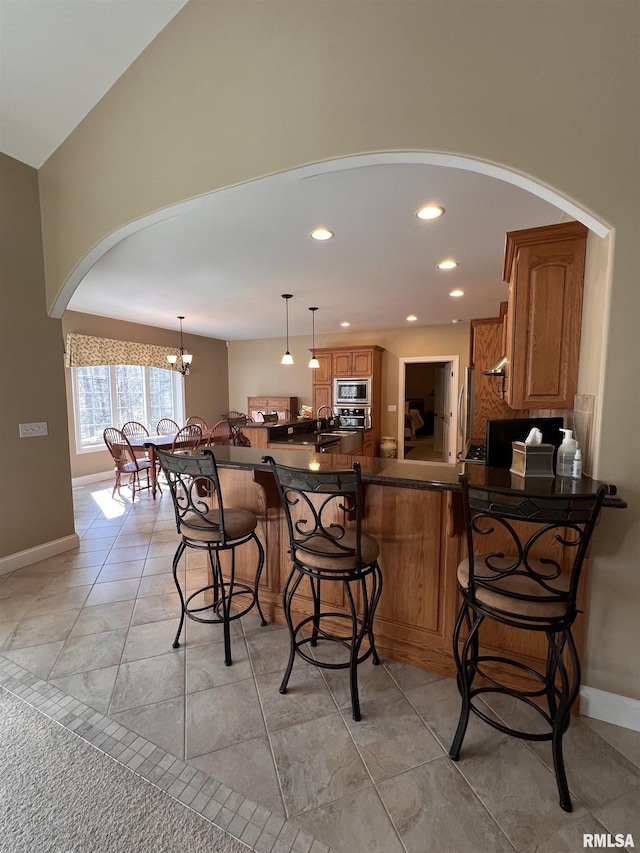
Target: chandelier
{"x":182,"y":361}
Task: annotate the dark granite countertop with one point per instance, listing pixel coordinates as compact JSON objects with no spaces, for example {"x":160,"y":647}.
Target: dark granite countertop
{"x":410,"y":475}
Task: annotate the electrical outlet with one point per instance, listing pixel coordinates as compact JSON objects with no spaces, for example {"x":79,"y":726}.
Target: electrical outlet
{"x":31,"y":430}
{"x":289,"y":430}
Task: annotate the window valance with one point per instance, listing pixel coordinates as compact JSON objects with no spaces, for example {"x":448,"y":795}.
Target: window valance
{"x":88,"y":351}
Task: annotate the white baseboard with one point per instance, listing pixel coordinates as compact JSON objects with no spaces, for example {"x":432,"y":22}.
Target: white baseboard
{"x":610,"y":708}
{"x":92,"y":478}
{"x":40,"y":552}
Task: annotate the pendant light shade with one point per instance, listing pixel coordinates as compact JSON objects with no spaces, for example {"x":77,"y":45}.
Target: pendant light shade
{"x":182,"y":361}
{"x":314,"y":363}
{"x":287,"y":358}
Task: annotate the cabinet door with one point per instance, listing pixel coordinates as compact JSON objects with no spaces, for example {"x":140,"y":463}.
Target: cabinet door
{"x":342,"y":363}
{"x":322,"y":374}
{"x":362,"y":363}
{"x":543,"y":324}
{"x":321,"y":397}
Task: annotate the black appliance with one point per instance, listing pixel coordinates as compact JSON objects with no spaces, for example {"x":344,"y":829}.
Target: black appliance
{"x":359,"y":418}
{"x":501,"y":433}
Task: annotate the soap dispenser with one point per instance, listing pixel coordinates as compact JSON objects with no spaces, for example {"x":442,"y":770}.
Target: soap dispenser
{"x":566,"y":454}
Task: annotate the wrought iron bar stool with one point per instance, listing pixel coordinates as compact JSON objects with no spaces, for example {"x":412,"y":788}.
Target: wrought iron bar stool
{"x":324,"y":550}
{"x":193,"y":480}
{"x":525,"y":554}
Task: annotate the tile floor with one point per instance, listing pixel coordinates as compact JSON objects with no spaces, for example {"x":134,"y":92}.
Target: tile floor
{"x":86,"y":638}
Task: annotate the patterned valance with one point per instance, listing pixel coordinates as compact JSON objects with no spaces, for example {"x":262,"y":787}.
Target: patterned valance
{"x":87,"y":351}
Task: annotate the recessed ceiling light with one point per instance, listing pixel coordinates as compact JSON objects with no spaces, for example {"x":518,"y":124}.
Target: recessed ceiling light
{"x":448,"y":264}
{"x":456,"y":293}
{"x":412,"y":318}
{"x":345,"y":324}
{"x":430,"y":211}
{"x":321,"y":234}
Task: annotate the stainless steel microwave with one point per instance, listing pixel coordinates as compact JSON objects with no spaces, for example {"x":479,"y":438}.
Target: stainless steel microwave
{"x":352,"y":392}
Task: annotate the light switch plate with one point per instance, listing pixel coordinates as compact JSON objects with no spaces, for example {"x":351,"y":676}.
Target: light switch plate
{"x":32,"y":430}
{"x":392,"y":408}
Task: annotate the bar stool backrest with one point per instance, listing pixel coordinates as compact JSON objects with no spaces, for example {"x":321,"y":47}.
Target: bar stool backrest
{"x":269,"y":417}
{"x":195,"y":489}
{"x":315,"y":504}
{"x":516,"y":542}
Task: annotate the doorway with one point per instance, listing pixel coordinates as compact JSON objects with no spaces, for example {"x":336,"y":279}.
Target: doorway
{"x":427,"y":388}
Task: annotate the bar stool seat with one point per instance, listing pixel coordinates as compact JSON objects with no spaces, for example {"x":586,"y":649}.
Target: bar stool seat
{"x":318,"y":506}
{"x":193,"y":479}
{"x":528,"y":581}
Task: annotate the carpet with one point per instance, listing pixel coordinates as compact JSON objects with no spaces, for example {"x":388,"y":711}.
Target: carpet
{"x":58,"y":794}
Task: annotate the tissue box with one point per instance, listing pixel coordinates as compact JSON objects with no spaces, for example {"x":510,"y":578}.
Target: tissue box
{"x":532,"y":460}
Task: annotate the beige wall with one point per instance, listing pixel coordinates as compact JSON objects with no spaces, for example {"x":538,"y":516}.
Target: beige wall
{"x":206,"y":390}
{"x":35,"y":495}
{"x":234,"y":91}
{"x":254,"y":366}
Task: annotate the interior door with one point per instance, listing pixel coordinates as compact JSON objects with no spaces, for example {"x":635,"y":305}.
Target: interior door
{"x":440,"y":411}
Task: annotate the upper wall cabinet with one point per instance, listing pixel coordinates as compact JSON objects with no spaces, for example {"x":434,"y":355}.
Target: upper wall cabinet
{"x":353,"y":362}
{"x":545,"y":271}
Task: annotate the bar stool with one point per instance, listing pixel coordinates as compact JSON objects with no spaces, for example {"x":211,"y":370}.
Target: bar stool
{"x":194,"y":483}
{"x":324,"y":550}
{"x":526,"y":552}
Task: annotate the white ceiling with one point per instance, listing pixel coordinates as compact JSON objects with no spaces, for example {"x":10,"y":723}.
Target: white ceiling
{"x":223,"y":260}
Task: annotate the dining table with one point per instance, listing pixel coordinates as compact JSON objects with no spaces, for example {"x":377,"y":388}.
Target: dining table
{"x":165,"y":442}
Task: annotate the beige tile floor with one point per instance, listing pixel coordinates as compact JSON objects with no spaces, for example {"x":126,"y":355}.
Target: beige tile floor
{"x":86,"y":636}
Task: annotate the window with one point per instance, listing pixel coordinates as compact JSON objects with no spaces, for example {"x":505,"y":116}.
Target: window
{"x":106,"y":396}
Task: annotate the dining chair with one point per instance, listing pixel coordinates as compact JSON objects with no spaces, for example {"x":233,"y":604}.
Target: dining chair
{"x":138,"y":431}
{"x":126,"y":461}
{"x":205,"y":523}
{"x":166,"y":426}
{"x":195,"y":419}
{"x":220,"y":433}
{"x":269,"y":417}
{"x":525,"y":555}
{"x":187,"y":438}
{"x":236,"y":421}
{"x":323,"y":510}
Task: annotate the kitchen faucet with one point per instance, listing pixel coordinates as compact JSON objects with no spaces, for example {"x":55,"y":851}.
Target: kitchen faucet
{"x":324,"y":407}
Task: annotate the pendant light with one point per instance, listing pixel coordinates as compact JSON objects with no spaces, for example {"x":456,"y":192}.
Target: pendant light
{"x":287,"y":358}
{"x":314,"y":363}
{"x":180,"y":362}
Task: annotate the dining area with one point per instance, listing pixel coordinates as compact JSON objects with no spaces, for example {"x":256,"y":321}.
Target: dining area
{"x":133,"y":446}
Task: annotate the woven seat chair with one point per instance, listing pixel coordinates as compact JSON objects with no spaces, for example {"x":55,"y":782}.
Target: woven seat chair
{"x":525,"y":554}
{"x":167,"y":426}
{"x":126,"y":462}
{"x":205,"y":523}
{"x":324,"y":550}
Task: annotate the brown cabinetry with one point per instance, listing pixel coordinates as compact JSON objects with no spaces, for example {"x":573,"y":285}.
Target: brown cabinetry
{"x":286,"y":407}
{"x":545,"y":271}
{"x":487,"y":347}
{"x":354,"y":362}
{"x":351,"y":361}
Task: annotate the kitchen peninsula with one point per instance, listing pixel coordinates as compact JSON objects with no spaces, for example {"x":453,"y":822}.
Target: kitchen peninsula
{"x":414,"y":511}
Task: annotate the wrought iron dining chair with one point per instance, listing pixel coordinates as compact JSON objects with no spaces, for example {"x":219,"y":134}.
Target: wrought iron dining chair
{"x":269,"y":417}
{"x":166,"y":426}
{"x":206,"y":524}
{"x":126,"y":462}
{"x":236,"y":420}
{"x":525,"y":555}
{"x":327,"y":546}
